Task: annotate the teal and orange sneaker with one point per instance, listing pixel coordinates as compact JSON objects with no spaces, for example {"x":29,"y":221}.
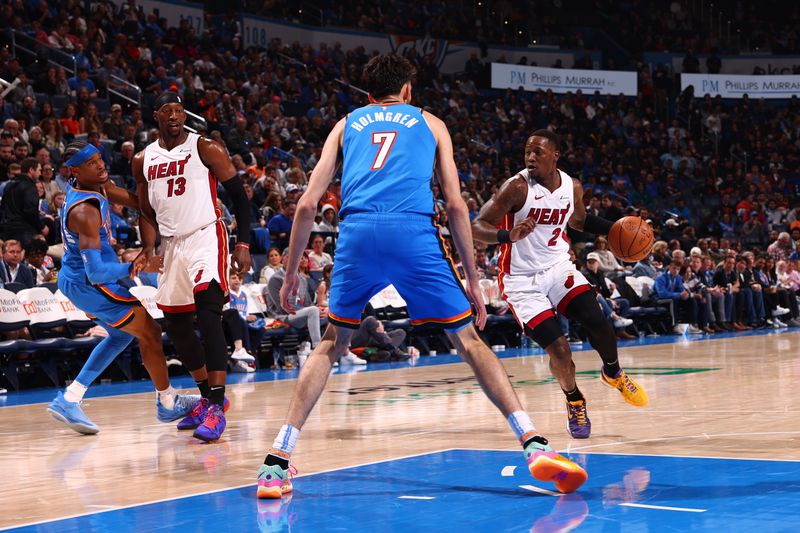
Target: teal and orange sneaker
{"x":198,"y":414}
{"x":274,"y":481}
{"x":631,"y":391}
{"x":547,"y":465}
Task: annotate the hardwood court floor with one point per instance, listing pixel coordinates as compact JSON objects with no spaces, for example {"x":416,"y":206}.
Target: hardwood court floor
{"x":722,"y":397}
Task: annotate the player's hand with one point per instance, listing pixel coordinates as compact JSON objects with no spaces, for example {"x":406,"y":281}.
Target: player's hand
{"x":289,"y":292}
{"x":155,"y":264}
{"x":241,"y":260}
{"x":142,"y":261}
{"x":476,"y":298}
{"x":522,"y":230}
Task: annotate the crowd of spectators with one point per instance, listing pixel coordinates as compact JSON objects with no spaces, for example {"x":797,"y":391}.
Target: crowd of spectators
{"x":718,"y":176}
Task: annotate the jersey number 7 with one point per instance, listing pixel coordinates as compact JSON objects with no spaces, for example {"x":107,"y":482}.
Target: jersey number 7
{"x":386,"y":140}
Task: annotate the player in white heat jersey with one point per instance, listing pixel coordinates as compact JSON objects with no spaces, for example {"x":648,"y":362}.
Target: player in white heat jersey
{"x":176,"y":180}
{"x":533,"y":210}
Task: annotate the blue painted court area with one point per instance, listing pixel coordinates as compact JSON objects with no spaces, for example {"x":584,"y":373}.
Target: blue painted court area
{"x":32,"y":396}
{"x":466,"y":490}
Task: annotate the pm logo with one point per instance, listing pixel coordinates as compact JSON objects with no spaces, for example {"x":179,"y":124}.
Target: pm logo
{"x":198,"y":276}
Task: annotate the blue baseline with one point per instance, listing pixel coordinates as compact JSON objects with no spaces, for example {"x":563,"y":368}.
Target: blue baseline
{"x":463,"y":490}
{"x":43,"y":395}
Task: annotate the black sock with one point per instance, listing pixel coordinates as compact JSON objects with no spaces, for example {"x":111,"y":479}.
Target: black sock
{"x":535,"y":438}
{"x":272,"y":460}
{"x":217,"y":395}
{"x":575,"y":395}
{"x":205,"y":390}
{"x":611,"y":369}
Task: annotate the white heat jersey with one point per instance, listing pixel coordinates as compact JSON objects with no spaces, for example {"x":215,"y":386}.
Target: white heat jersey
{"x":181,"y":189}
{"x":547,"y":245}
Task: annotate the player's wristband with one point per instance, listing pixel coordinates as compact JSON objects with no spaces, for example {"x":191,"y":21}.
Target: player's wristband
{"x":503,"y":236}
{"x":243,"y":245}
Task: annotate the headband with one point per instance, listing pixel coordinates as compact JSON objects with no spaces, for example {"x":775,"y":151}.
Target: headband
{"x":82,"y":155}
{"x":167,"y":97}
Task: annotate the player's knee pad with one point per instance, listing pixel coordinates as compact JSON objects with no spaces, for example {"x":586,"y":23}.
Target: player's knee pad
{"x":544,"y":330}
{"x":586,"y":310}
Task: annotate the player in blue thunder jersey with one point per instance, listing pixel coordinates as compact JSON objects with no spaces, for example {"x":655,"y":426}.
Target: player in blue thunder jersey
{"x":90,"y":276}
{"x":388,"y":235}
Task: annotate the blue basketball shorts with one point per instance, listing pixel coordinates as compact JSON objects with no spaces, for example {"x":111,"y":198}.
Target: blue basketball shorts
{"x":402,"y":249}
{"x":110,"y":302}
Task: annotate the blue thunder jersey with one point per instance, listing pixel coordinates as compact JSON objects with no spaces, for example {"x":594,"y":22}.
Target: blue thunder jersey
{"x":389,"y":153}
{"x":72,"y":263}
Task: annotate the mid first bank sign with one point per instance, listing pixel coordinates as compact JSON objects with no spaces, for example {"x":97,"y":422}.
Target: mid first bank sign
{"x":562,"y":81}
{"x":736,"y":86}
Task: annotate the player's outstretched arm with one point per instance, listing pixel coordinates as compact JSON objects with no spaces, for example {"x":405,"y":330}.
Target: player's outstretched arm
{"x":215,"y":157}
{"x":85,"y":220}
{"x":307,"y":209}
{"x":121,"y":196}
{"x":508,"y":200}
{"x":580,"y":220}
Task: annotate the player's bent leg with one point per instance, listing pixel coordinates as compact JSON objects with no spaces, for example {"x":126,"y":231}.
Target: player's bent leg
{"x":274,"y":474}
{"x":170,"y":406}
{"x":546,"y":330}
{"x":543,"y":463}
{"x":584,"y":308}
{"x":66,"y":407}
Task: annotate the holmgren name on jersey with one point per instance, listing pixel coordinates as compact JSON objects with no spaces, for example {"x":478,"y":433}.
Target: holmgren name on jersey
{"x":403,"y":119}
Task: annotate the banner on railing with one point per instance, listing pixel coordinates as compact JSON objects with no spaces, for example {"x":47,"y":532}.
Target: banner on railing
{"x":732,"y":86}
{"x":175,"y":11}
{"x":562,"y":81}
{"x":449,"y":56}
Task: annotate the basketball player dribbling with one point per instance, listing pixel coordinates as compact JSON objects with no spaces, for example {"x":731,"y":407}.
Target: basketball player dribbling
{"x":533,"y":209}
{"x":388,"y":234}
{"x":90,"y":277}
{"x":176,"y":180}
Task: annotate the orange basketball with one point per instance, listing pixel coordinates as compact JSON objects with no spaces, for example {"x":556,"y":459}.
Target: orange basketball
{"x":630,"y":239}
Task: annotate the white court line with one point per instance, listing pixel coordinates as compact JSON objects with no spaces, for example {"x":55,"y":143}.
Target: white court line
{"x":508,"y":471}
{"x":663,"y":507}
{"x":577,"y":450}
{"x":416,"y":498}
{"x":203,"y":493}
{"x":540,"y":490}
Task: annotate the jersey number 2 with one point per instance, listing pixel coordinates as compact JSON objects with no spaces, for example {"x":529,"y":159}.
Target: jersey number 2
{"x":554,"y":239}
{"x":176,"y":186}
{"x":385,"y":139}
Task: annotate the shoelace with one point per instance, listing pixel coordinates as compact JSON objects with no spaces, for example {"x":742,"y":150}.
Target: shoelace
{"x":199,"y":407}
{"x":629,"y":384}
{"x":580,"y":413}
{"x":212,"y":417}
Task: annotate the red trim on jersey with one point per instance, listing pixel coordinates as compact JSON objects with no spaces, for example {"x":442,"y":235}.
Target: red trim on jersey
{"x":541,"y":317}
{"x":505,"y":249}
{"x":200,"y":287}
{"x":505,"y":299}
{"x":222,"y":255}
{"x":566,"y":300}
{"x":176,"y":308}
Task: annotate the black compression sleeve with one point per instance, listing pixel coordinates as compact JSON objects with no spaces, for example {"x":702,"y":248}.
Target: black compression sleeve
{"x":241,"y":208}
{"x":597,"y":225}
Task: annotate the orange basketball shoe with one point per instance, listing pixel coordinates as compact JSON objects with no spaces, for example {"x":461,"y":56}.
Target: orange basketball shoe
{"x":631,"y":391}
{"x":547,"y":465}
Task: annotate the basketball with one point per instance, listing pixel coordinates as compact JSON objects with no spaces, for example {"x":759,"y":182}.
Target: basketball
{"x":630,"y":239}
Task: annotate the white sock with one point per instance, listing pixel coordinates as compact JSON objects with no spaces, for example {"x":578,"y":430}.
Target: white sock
{"x":286,"y":439}
{"x":522,"y":425}
{"x":75,"y":392}
{"x":167,"y":397}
